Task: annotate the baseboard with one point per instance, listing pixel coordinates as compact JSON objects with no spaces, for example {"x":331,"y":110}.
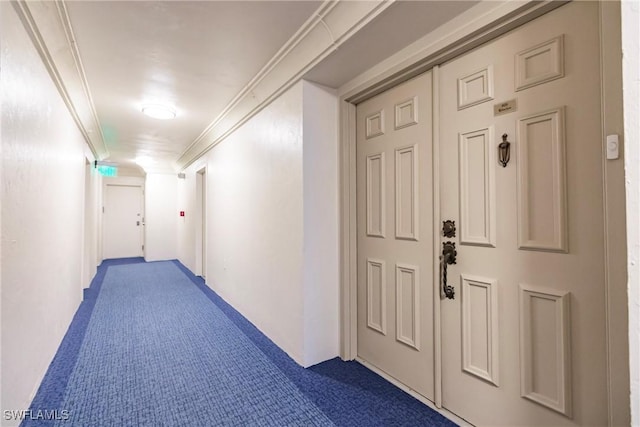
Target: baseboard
{"x":442,"y":411}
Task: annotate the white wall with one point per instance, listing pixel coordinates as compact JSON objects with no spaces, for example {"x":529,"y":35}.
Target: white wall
{"x":320,"y":228}
{"x":161,"y":217}
{"x":272,"y":222}
{"x":631,"y":94}
{"x":43,"y":179}
{"x":254,"y":221}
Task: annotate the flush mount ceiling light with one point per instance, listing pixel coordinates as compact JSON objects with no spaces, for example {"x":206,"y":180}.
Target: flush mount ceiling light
{"x":158,"y":111}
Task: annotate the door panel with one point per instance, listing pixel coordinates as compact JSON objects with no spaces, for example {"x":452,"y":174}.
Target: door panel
{"x":523,"y":342}
{"x":123,"y":221}
{"x":395,"y":238}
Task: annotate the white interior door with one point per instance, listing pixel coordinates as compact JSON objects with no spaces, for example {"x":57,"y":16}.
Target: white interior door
{"x":395,"y":233}
{"x":523,"y":342}
{"x":123,"y":221}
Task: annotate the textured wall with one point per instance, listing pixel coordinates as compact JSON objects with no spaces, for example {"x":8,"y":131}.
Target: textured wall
{"x":43,"y":175}
{"x":321,"y":268}
{"x":272,"y":221}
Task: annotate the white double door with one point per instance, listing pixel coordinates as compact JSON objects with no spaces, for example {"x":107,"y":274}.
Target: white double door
{"x":523,"y":340}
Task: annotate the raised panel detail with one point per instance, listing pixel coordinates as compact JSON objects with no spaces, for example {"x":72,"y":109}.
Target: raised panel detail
{"x":407,"y":193}
{"x":376,"y":195}
{"x":406,"y":113}
{"x":376,"y":295}
{"x":407,"y":308}
{"x":545,"y":353}
{"x":542,"y":212}
{"x":480,"y":346}
{"x":477,"y":188}
{"x":374,"y":124}
{"x":540,"y":64}
{"x":475,"y":88}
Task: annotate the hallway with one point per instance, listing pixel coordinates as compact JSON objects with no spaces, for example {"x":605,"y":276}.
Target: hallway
{"x":254,"y":211}
{"x":152,"y":345}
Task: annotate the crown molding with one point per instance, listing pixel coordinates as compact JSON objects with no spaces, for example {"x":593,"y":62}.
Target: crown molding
{"x":47,"y":24}
{"x":483,"y":22}
{"x":331,"y":25}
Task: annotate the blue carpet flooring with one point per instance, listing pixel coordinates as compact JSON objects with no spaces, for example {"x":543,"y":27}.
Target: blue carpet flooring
{"x":152,"y":345}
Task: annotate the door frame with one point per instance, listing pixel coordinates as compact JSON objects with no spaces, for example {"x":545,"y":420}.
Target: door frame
{"x":435,"y":49}
{"x":201,"y":222}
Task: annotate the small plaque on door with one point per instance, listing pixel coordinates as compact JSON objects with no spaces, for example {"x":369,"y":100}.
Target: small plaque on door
{"x":505,"y":107}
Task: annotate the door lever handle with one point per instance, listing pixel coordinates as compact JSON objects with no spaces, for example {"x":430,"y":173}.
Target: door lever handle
{"x":448,"y":257}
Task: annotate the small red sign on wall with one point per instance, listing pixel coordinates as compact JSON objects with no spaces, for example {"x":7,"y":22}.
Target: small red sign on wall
{"x":181,"y":213}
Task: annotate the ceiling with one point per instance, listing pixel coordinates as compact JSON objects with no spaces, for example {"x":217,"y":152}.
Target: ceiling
{"x":197,"y":56}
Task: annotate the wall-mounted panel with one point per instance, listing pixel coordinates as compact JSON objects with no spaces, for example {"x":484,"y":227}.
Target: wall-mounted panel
{"x":374,"y":124}
{"x":376,"y":295}
{"x":539,"y":64}
{"x":477,"y":188}
{"x":407,"y":193}
{"x":376,"y":202}
{"x":542,"y":211}
{"x":480,"y":346}
{"x":407,"y":305}
{"x":475,"y":88}
{"x":406,"y":113}
{"x":545,"y":356}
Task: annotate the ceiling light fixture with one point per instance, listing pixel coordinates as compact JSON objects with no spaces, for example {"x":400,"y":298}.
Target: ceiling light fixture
{"x":158,"y":111}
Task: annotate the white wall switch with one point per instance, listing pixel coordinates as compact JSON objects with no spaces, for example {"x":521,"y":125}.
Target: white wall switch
{"x":612,"y":147}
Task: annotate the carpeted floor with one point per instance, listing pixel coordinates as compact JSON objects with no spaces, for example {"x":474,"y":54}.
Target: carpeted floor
{"x":152,"y":345}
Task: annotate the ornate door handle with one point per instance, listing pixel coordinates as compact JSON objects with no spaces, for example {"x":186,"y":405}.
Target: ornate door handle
{"x":448,"y":257}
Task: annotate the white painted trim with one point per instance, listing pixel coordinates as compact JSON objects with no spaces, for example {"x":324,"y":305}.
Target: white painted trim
{"x":479,"y":24}
{"x":367,"y":124}
{"x":615,"y":237}
{"x":562,"y":301}
{"x":332,"y":25}
{"x":556,"y":46}
{"x":382,"y":196}
{"x":201,"y":176}
{"x":415,"y":194}
{"x":50,"y":27}
{"x":397,"y":116}
{"x":559,"y":182}
{"x":437,"y":293}
{"x":492,"y":373}
{"x":415,"y":279}
{"x":463,"y":100}
{"x":348,"y":236}
{"x":298,"y":37}
{"x":382,"y":327}
{"x":445,"y":413}
{"x":489,"y":239}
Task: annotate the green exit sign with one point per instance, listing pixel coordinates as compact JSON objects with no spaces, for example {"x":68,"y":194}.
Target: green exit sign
{"x":107,"y":170}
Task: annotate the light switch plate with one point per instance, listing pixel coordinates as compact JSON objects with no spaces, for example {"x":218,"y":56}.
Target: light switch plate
{"x":612,"y":147}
